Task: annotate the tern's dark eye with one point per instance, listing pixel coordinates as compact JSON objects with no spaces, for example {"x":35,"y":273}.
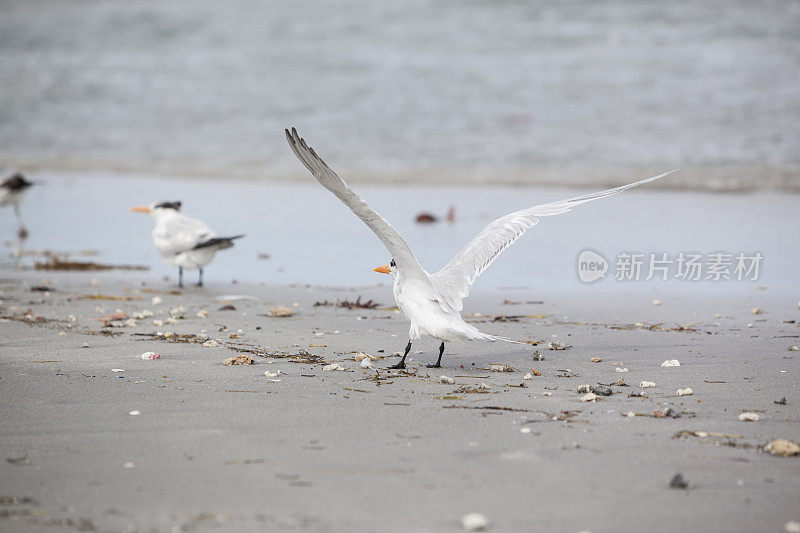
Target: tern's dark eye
{"x":392,"y":263}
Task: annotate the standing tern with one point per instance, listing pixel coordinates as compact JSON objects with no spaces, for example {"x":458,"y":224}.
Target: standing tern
{"x":12,"y":191}
{"x":183,"y":242}
{"x":432,"y":302}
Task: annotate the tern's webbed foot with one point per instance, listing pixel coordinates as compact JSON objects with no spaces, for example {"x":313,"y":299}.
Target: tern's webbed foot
{"x":399,"y":366}
{"x":198,"y":284}
{"x":22,"y":234}
{"x":435,"y":365}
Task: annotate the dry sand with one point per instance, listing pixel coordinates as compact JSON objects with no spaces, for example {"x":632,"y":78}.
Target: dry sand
{"x":226,"y":448}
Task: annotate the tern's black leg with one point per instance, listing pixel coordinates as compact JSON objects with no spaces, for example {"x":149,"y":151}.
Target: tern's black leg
{"x":22,"y":233}
{"x":180,"y":276}
{"x":438,"y":361}
{"x":200,"y":279}
{"x":402,"y":363}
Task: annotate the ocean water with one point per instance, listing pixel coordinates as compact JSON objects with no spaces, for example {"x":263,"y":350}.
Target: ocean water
{"x":312,"y":238}
{"x":573,"y":92}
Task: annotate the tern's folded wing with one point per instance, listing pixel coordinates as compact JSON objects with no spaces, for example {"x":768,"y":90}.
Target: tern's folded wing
{"x":397,"y":247}
{"x":180,"y":234}
{"x":453,"y":281}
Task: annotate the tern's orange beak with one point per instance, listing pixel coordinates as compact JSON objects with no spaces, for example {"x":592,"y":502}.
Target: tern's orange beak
{"x":382,"y":269}
{"x":141,"y":209}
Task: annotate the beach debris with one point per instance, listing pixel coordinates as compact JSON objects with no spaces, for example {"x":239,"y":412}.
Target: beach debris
{"x":58,"y":263}
{"x":333,"y":366}
{"x":596,"y":359}
{"x":685,"y":392}
{"x":792,"y":526}
{"x":474,"y":522}
{"x":629,"y":414}
{"x":590,"y":397}
{"x":19,"y":461}
{"x":501,"y":367}
{"x":547,"y":393}
{"x":782,"y":401}
{"x":113,"y":317}
{"x":583,"y":389}
{"x":128,"y":465}
{"x":147,"y":356}
{"x":646,"y":385}
{"x":667,"y":412}
{"x":241,"y":359}
{"x":748,"y":417}
{"x":601,"y":390}
{"x":158,"y":322}
{"x":756,"y":311}
{"x":117,"y":370}
{"x":525,"y":430}
{"x":156,"y":300}
{"x":227,"y":307}
{"x":656,"y":303}
{"x":792,"y":348}
{"x":677,"y":482}
{"x":280,"y":311}
{"x":556,"y":345}
{"x":636,"y":395}
{"x":783,"y":448}
{"x":425,"y":218}
{"x":447,"y":380}
{"x":620,"y":369}
{"x":620,"y":383}
{"x":272,"y":374}
{"x":537,"y":356}
{"x":360,"y":356}
{"x":135,"y":413}
{"x":61,"y":333}
{"x":85,"y":345}
{"x":202,"y":313}
{"x":211,"y":343}
{"x":528,"y":376}
{"x":671,"y":362}
{"x":357,"y":304}
{"x":484,"y":386}
{"x":366,"y":363}
{"x":535,"y":372}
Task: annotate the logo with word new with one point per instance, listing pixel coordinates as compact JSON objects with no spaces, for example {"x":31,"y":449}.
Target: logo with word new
{"x":591,"y":266}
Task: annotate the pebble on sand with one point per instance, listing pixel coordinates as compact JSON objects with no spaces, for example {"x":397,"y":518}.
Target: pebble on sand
{"x":280,"y":311}
{"x":591,"y":397}
{"x":537,"y":356}
{"x":646,"y":385}
{"x":446,"y":379}
{"x":240,"y":359}
{"x":211,"y":343}
{"x":748,"y":417}
{"x":685,"y":392}
{"x":147,"y":356}
{"x":671,"y":362}
{"x":756,"y":311}
{"x":783,"y":448}
{"x":474,"y":522}
{"x":556,"y":345}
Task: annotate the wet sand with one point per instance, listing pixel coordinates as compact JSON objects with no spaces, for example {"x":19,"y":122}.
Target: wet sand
{"x":224,"y":448}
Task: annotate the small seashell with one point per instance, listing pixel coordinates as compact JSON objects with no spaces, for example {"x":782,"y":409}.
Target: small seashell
{"x":583,"y":389}
{"x":537,"y":356}
{"x":366,"y":363}
{"x":150,"y":355}
{"x":272,"y":374}
{"x":134,"y":413}
{"x":211,"y":343}
{"x":756,"y":311}
{"x":280,"y":311}
{"x":620,"y":369}
{"x":749,"y":417}
{"x":656,"y":303}
{"x":630,"y":414}
{"x":240,"y":359}
{"x":333,"y":366}
{"x":474,"y":522}
{"x":501,"y":368}
{"x":783,"y":448}
{"x":446,"y":379}
{"x":360,"y":356}
{"x":484,"y":386}
{"x":547,"y":393}
{"x":685,"y":392}
{"x":671,"y":362}
{"x":202,"y":313}
{"x":156,"y":300}
{"x":590,"y":397}
{"x":528,"y":376}
{"x":792,"y":348}
{"x":525,"y":430}
{"x":158,"y":322}
{"x":596,"y":359}
{"x":556,"y":345}
{"x":646,"y":385}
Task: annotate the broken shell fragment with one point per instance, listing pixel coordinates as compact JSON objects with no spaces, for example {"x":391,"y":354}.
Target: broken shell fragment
{"x":556,"y":345}
{"x":756,"y":311}
{"x":537,"y":356}
{"x":646,"y":385}
{"x":202,"y":313}
{"x":596,"y":359}
{"x":620,"y":369}
{"x":484,"y":386}
{"x":783,"y":448}
{"x":591,"y":397}
{"x":671,"y":362}
{"x":792,"y":348}
{"x":500,"y":367}
{"x":474,"y":522}
{"x":240,"y":359}
{"x":685,"y":392}
{"x":360,"y":356}
{"x":156,"y":300}
{"x":211,"y":343}
{"x":528,"y":376}
{"x":547,"y":393}
{"x":333,"y":366}
{"x":280,"y":311}
{"x":749,"y":417}
{"x":447,"y":380}
{"x":583,"y":388}
{"x":150,"y":355}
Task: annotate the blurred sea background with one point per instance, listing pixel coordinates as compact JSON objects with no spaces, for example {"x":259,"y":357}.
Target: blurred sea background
{"x":486,"y":106}
{"x":572,"y":92}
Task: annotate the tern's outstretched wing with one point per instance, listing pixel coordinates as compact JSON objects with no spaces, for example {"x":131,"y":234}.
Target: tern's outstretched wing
{"x":453,"y":281}
{"x":401,"y":253}
{"x":180,"y":234}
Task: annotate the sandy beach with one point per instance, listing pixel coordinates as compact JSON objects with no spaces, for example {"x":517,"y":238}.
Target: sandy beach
{"x":95,"y":438}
